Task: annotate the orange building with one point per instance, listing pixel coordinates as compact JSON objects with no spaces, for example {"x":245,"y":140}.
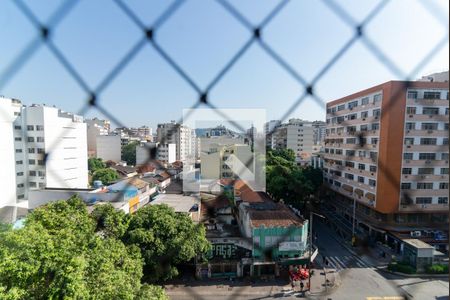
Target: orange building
{"x":386,"y":150}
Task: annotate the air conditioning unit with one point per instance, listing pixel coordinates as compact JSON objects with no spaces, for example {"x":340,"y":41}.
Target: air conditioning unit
{"x":430,"y":116}
{"x":410,"y":116}
{"x":364,"y":119}
{"x":428,"y":161}
{"x":408,"y":146}
{"x":407,"y":161}
{"x":416,"y":233}
{"x":376,"y":118}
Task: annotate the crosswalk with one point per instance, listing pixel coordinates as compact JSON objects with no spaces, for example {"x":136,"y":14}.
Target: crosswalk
{"x":347,"y":261}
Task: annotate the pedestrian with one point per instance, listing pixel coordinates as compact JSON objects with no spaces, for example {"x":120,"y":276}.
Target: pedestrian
{"x":301,"y":286}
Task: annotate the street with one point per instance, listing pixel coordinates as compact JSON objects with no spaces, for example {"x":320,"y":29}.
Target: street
{"x":356,"y":277}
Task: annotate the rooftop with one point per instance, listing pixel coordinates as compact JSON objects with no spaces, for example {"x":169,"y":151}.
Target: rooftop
{"x":178,"y":202}
{"x":418,"y":244}
{"x":280,"y":216}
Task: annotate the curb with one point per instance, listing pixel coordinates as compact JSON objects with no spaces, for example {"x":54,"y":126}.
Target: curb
{"x":384,"y":269}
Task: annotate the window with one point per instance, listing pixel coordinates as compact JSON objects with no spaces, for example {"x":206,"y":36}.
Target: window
{"x":20,"y":185}
{"x":429,"y":126}
{"x":31,"y":150}
{"x":40,"y":150}
{"x":19,"y":173}
{"x":40,"y":162}
{"x":444,"y":171}
{"x":16,"y":113}
{"x":432,"y":95}
{"x":17,"y":139}
{"x":428,"y":141}
{"x":373,"y":155}
{"x":376,"y":112}
{"x":30,"y":139}
{"x":20,"y":196}
{"x":361,"y":153}
{"x":443,"y":185}
{"x":446,"y":126}
{"x":444,"y":156}
{"x":423,"y":200}
{"x":32,"y":184}
{"x":430,"y":111}
{"x":32,"y":173}
{"x":360,"y":179}
{"x":374,"y":141}
{"x":39,"y":127}
{"x":351,"y":141}
{"x":409,"y":141}
{"x":365,"y":101}
{"x":350,"y":152}
{"x":341,"y":107}
{"x":425,"y":171}
{"x":407,"y":171}
{"x":18,"y":127}
{"x":19,"y":162}
{"x":363,"y":128}
{"x":375,"y":126}
{"x":412,"y":94}
{"x":41,"y":185}
{"x":406,"y":185}
{"x":427,"y":156}
{"x":352,"y":117}
{"x":41,"y":173}
{"x":40,"y":139}
{"x":31,"y":162}
{"x":350,"y":164}
{"x":424,"y":185}
{"x":337,"y":183}
{"x":446,"y":111}
{"x":410,"y":110}
{"x":443,"y":200}
{"x":376,"y":98}
{"x":18,"y":150}
{"x":351,"y":129}
{"x":364,"y":114}
{"x":349,"y":176}
{"x":361,"y":166}
{"x":445,"y":141}
{"x":30,"y":127}
{"x":339,"y":120}
{"x":353,"y":104}
{"x":372,"y":168}
{"x":372,"y":182}
{"x":407,"y":156}
{"x":410,"y":126}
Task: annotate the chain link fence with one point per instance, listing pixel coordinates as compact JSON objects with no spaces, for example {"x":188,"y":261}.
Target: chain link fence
{"x":149,"y":36}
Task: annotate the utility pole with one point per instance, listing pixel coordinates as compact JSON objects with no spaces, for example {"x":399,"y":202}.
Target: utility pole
{"x":353,"y":221}
{"x":310,"y":244}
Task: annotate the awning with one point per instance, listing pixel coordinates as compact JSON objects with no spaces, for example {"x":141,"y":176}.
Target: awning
{"x":359,"y":192}
{"x":370,"y":196}
{"x":347,"y":187}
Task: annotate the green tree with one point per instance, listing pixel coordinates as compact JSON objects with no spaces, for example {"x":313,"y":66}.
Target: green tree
{"x":166,"y":239}
{"x":129,"y":153}
{"x":95,"y":164}
{"x":106,"y":176}
{"x":110,"y":221}
{"x":57,"y":255}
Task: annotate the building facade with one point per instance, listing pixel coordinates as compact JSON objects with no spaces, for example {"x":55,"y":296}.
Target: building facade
{"x":43,"y":147}
{"x":297,"y":135}
{"x":182,"y":136}
{"x":109,"y":147}
{"x":95,"y":128}
{"x":165,"y":153}
{"x":386,"y":150}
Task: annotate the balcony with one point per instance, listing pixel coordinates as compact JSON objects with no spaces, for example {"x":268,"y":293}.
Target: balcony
{"x":425,"y":163}
{"x":426,"y":132}
{"x":423,"y":207}
{"x":427,"y":102}
{"x":435,"y":118}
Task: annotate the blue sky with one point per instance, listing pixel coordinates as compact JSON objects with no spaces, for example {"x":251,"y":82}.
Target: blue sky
{"x":201,"y":37}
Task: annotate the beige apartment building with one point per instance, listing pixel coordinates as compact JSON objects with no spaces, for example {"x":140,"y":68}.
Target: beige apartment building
{"x":386,"y":150}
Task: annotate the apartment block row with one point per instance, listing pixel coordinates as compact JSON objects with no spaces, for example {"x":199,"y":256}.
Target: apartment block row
{"x":386,"y":149}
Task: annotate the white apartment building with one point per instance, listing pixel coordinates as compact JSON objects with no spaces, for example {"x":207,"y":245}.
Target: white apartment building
{"x":165,"y":153}
{"x":109,"y":147}
{"x":31,"y":133}
{"x":182,"y":136}
{"x":214,"y":163}
{"x":297,"y":135}
{"x":95,"y":128}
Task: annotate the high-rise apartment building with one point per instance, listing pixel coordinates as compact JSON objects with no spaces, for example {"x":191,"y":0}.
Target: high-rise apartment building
{"x":165,"y":153}
{"x":297,"y":135}
{"x":42,"y":147}
{"x":387,"y":150}
{"x":182,"y":136}
{"x":95,"y":128}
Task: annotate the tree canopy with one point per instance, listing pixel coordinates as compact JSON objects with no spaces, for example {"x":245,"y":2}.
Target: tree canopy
{"x":95,"y":164}
{"x":106,"y":176}
{"x":289,"y":182}
{"x":165,"y":239}
{"x":57,"y":254}
{"x":129,"y":153}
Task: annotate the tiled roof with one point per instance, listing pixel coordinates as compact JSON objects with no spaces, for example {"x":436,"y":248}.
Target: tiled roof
{"x":281,"y":216}
{"x":124,"y":169}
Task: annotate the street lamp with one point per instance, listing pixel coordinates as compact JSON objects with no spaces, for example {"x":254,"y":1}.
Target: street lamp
{"x":353,"y":221}
{"x":310,"y":244}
